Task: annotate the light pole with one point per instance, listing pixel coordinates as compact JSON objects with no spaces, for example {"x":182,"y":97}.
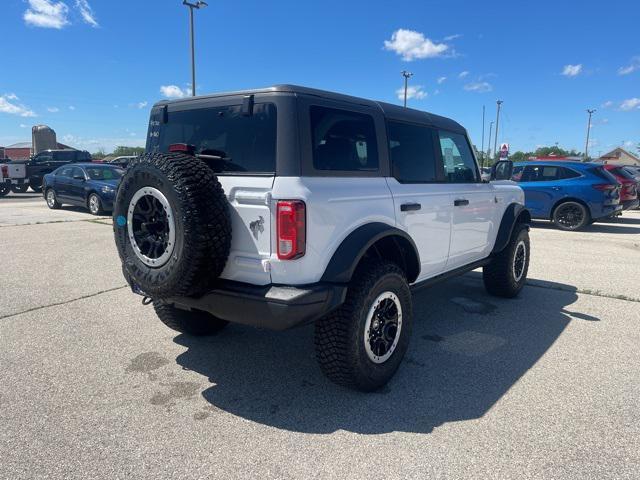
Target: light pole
{"x":489,"y":141}
{"x":482,"y":147}
{"x":495,"y":143}
{"x":199,"y":4}
{"x":586,"y":145}
{"x":407,"y":76}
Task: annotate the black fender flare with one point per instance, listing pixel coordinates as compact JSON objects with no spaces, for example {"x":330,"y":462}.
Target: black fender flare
{"x":347,"y":256}
{"x":514,"y":214}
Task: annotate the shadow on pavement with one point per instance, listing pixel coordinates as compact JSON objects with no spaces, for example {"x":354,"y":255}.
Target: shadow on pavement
{"x":616,"y":226}
{"x":458,"y":365}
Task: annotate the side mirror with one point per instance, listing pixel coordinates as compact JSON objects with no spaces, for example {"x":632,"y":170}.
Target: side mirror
{"x":502,"y":170}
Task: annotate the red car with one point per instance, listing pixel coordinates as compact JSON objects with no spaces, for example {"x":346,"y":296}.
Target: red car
{"x":629,"y":190}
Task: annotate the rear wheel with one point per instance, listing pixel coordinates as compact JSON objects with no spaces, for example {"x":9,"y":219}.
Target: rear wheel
{"x":571,"y":216}
{"x":19,"y":188}
{"x":192,"y":322}
{"x":95,"y":204}
{"x":4,"y":189}
{"x":362,"y":344}
{"x":52,"y":200}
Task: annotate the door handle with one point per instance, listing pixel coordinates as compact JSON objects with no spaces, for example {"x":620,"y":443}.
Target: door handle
{"x":410,"y":207}
{"x":460,"y":202}
{"x":556,"y":188}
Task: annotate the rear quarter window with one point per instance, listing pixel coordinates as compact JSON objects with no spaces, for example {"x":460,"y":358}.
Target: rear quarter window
{"x":343,"y":140}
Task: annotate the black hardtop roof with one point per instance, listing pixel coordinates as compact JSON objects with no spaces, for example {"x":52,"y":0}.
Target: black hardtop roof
{"x":391,"y":111}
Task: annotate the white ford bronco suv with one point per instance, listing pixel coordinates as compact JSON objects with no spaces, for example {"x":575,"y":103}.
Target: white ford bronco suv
{"x":288,"y":205}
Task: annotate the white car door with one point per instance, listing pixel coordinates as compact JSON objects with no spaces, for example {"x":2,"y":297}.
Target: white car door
{"x":473,"y":224}
{"x":422,"y":203}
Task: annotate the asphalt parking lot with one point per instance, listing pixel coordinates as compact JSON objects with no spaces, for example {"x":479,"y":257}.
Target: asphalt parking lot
{"x":92,"y":385}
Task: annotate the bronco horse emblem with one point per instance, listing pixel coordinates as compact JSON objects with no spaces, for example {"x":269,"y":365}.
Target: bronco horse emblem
{"x":257,"y":226}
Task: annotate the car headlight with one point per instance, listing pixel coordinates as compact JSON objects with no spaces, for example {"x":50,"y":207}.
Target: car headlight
{"x":108,"y":189}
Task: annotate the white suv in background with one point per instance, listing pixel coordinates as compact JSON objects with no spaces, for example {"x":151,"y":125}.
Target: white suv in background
{"x":289,"y":205}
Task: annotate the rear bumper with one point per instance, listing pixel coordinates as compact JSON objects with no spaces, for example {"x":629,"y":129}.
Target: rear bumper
{"x":15,"y":181}
{"x":272,"y":307}
{"x":602,"y":211}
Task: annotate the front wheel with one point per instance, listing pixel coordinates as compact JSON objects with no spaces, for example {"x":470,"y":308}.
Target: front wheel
{"x":507,"y":273}
{"x":94,"y":204}
{"x":571,"y":216}
{"x":192,"y":322}
{"x":362,"y":343}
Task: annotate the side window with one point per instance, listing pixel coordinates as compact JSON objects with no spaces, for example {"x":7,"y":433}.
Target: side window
{"x":568,"y":173}
{"x":77,"y":172}
{"x":459,"y":164}
{"x":516,"y":176}
{"x":64,"y":172}
{"x":412,"y":154}
{"x":343,"y":140}
{"x":542,"y":173}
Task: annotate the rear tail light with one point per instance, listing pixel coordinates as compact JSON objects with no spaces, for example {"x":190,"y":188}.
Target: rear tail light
{"x":292,"y":229}
{"x":182,"y":147}
{"x":5,"y":171}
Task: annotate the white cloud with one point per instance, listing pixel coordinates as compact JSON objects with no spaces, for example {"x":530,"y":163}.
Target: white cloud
{"x":22,"y":125}
{"x":572,"y":70}
{"x":628,"y":143}
{"x":416,"y":92}
{"x":173,"y":91}
{"x":87,"y":13}
{"x":411,"y":45}
{"x":142,"y":104}
{"x":9,"y":105}
{"x":53,"y":109}
{"x":480,"y":87}
{"x":448,"y":38}
{"x":630,"y":104}
{"x":441,"y":80}
{"x":607,"y":104}
{"x":108,"y":144}
{"x":632,"y":67}
{"x":71,"y":107}
{"x":463,"y":74}
{"x":46,"y":14}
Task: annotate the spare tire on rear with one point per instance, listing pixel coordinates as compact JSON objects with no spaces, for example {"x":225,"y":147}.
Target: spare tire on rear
{"x":171,"y":224}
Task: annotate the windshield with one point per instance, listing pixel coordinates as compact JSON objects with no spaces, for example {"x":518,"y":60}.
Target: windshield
{"x":104,"y":173}
{"x":226,"y":138}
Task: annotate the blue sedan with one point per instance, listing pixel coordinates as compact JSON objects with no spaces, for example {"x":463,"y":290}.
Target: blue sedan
{"x":570,"y":194}
{"x":90,"y":185}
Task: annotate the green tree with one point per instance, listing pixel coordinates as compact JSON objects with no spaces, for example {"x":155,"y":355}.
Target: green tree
{"x":99,"y":155}
{"x":519,"y":156}
{"x":122,"y":151}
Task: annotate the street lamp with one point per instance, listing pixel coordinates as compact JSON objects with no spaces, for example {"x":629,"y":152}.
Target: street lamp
{"x":407,"y":76}
{"x":199,"y":4}
{"x":495,"y":142}
{"x":586,"y":146}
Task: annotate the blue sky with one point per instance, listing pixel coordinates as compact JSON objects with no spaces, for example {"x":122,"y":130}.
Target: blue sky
{"x":91,"y":69}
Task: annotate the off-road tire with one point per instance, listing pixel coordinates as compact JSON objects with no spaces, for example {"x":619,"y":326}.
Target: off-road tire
{"x":202,"y":224}
{"x":339,"y":336}
{"x":19,"y":188}
{"x":193,"y":322}
{"x":499,"y":278}
{"x":586,"y":216}
{"x":55,"y":204}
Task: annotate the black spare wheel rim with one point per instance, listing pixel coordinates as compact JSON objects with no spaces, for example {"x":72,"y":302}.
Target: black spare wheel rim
{"x":151,"y":226}
{"x":382,"y":328}
{"x":570,"y":215}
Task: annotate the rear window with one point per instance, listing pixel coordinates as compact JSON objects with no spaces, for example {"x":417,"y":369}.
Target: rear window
{"x":343,"y":140}
{"x":622,"y":172}
{"x":233,"y":142}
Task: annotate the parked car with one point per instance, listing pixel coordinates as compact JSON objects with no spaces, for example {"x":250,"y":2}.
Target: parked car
{"x":89,"y":185}
{"x":570,"y":194}
{"x":122,"y":161}
{"x":13,"y":177}
{"x":33,"y":170}
{"x":629,"y":190}
{"x":360,"y":202}
{"x":5,"y":181}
